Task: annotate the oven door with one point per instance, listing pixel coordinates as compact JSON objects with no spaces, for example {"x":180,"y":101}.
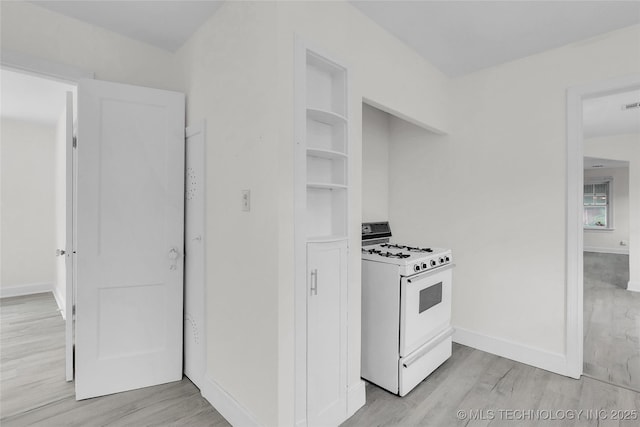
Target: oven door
{"x":425,"y":307}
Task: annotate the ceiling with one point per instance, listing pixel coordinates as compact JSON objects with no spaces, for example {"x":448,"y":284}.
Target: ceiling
{"x":460,"y":37}
{"x":166,"y":24}
{"x":595,"y":163}
{"x":29,"y":98}
{"x":605,"y":116}
{"x":457,"y":36}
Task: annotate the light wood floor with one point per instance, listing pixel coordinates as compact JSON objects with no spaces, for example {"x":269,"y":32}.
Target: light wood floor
{"x":33,"y":391}
{"x":474,"y":380}
{"x":611,"y":321}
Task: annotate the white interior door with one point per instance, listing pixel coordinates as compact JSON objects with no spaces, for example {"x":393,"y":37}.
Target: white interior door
{"x":129,"y":225}
{"x":194,"y":262}
{"x":64,"y":227}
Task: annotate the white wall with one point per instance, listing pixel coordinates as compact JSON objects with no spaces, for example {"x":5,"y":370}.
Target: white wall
{"x":229,"y":70}
{"x":375,"y":164}
{"x":608,"y":241}
{"x":625,"y":147}
{"x":497,"y":195}
{"x":28,"y":205}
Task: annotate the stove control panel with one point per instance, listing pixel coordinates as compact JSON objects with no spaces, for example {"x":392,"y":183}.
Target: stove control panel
{"x":432,"y":263}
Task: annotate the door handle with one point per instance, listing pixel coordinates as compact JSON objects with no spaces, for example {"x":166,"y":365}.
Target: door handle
{"x":314,"y":282}
{"x":60,"y":252}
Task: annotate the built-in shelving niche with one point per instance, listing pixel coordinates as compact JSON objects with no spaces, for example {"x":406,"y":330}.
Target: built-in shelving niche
{"x":326,"y":144}
{"x":321,"y":240}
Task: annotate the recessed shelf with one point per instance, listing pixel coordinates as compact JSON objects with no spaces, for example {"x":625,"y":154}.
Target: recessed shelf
{"x":326,"y":154}
{"x":326,"y":186}
{"x":325,"y":116}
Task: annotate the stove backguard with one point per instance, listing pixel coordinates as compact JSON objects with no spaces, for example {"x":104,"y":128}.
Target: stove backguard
{"x":374,"y":233}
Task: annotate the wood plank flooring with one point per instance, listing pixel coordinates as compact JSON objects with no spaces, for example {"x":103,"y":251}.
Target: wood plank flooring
{"x":472,"y":380}
{"x":33,"y":391}
{"x":611,"y":321}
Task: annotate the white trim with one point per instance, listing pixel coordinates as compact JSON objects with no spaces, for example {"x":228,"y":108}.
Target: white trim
{"x":356,"y":397}
{"x":600,"y":250}
{"x":26,"y":289}
{"x":370,"y":102}
{"x":633,"y":286}
{"x":19,"y":61}
{"x":200,"y":127}
{"x":232,"y":411}
{"x":60,"y":301}
{"x":553,"y":362}
{"x":574,"y":233}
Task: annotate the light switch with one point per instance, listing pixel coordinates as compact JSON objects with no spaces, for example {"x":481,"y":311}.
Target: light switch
{"x":246,"y":200}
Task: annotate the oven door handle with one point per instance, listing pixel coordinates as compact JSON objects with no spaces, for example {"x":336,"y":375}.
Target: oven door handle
{"x":428,"y":273}
{"x":427,"y":348}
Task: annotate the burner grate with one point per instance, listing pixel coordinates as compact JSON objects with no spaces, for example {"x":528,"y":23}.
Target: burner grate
{"x":408,"y":248}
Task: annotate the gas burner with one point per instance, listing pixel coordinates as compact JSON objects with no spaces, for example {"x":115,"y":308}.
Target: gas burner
{"x":417,"y":249}
{"x":409,"y":248}
{"x":389,"y":245}
{"x":371,"y":251}
{"x":399,"y":255}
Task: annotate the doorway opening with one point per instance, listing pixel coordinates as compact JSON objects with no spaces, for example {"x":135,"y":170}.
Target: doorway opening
{"x":579,"y":145}
{"x":611,"y":127}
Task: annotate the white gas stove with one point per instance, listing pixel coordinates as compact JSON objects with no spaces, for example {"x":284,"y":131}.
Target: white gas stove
{"x":406,"y":310}
{"x":410,"y":259}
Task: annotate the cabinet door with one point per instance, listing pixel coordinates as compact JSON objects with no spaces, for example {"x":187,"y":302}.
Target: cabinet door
{"x":326,"y":333}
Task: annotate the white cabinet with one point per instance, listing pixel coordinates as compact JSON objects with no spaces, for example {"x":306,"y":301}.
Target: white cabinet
{"x":321,"y":215}
{"x":326,"y":333}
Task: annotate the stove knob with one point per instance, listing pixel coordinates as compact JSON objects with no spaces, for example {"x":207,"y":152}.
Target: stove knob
{"x":416,"y":267}
{"x":441,"y":260}
{"x":424,"y":265}
{"x":433,"y":263}
{"x":447,"y":259}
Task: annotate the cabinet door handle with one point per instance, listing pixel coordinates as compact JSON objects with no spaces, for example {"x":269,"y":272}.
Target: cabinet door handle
{"x":314,"y":282}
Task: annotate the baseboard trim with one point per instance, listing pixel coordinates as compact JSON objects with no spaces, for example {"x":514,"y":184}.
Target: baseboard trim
{"x":236,"y":414}
{"x":553,"y":362}
{"x":356,"y":397}
{"x":633,"y":286}
{"x":60,"y":301}
{"x":26,"y":289}
{"x":619,"y":251}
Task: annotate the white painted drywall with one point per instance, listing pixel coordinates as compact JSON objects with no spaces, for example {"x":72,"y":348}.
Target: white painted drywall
{"x":31,"y":30}
{"x":28,"y":205}
{"x":496,"y":189}
{"x":238,"y":70}
{"x":229,"y":69}
{"x":625,"y":147}
{"x":608,"y":241}
{"x":375,"y":164}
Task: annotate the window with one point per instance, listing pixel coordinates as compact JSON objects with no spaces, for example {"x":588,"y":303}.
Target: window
{"x":597,"y":204}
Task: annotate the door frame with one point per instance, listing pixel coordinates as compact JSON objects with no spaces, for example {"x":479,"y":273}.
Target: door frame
{"x":198,"y":128}
{"x":574,"y":234}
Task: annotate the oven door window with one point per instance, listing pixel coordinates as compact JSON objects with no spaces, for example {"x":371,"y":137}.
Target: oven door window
{"x":430,"y":296}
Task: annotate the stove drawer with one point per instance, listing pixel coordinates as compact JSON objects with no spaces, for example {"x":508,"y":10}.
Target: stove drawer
{"x":418,"y":365}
